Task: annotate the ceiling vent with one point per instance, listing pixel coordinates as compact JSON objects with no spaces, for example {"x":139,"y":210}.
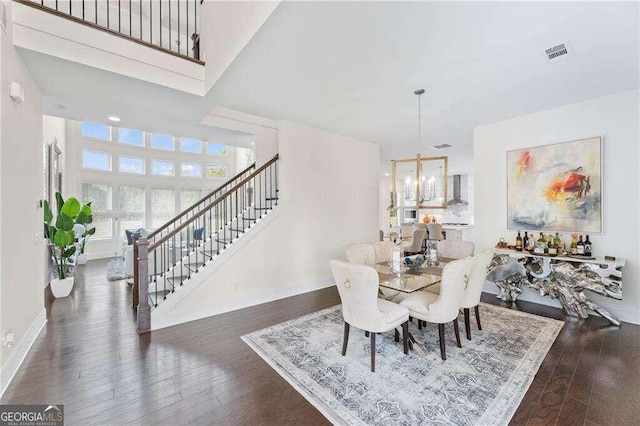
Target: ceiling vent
{"x":558,"y":52}
{"x":441,"y":146}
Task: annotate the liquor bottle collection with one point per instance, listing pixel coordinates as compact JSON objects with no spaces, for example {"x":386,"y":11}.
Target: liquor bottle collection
{"x":553,"y":245}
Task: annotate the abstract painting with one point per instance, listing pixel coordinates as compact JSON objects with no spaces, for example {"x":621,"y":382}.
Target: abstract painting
{"x":556,"y":187}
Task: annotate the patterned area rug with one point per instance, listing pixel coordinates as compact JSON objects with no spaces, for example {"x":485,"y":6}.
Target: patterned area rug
{"x":115,"y":270}
{"x":480,"y":384}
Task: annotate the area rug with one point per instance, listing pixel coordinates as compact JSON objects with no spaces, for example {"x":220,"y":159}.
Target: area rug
{"x":480,"y":384}
{"x":115,"y":270}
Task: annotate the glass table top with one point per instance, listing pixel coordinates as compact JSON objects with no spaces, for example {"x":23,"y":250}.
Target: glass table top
{"x":408,"y":280}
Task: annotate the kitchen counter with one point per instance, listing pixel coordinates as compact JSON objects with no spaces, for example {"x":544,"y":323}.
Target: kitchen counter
{"x":457,"y":227}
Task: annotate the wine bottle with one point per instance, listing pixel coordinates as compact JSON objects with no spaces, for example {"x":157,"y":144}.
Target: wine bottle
{"x":540,"y":244}
{"x":525,"y":241}
{"x":580,"y":246}
{"x":574,"y":245}
{"x":560,"y":244}
{"x":552,"y":249}
{"x":519,"y":242}
{"x":556,"y":239}
{"x":587,"y":247}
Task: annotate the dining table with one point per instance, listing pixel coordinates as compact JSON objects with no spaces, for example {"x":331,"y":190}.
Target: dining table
{"x":409,"y":278}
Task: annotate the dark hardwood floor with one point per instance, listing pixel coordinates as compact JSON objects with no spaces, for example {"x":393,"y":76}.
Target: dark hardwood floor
{"x":89,"y":358}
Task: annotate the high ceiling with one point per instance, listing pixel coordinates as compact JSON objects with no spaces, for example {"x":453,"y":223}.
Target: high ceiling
{"x":352,"y":67}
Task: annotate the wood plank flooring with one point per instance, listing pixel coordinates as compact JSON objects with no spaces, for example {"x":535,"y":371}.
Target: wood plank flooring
{"x":89,"y":358}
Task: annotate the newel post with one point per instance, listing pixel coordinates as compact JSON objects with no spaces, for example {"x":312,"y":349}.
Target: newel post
{"x":144,"y":310}
{"x":136,"y":279}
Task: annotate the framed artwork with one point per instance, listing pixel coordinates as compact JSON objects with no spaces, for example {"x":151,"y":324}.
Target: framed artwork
{"x":556,"y":187}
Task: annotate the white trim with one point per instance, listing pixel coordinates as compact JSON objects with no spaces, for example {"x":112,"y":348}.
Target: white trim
{"x":10,"y":368}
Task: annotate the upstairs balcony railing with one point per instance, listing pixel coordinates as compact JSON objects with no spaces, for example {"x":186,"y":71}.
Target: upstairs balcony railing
{"x":169,"y":25}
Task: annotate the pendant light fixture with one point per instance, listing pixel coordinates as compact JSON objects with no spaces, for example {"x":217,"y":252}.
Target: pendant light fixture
{"x":423,"y":187}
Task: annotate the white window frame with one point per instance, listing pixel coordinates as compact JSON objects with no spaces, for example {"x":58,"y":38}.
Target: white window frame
{"x":175,"y":170}
{"x":190,"y":163}
{"x":94,"y":151}
{"x":144,"y":165}
{"x":162,"y":149}
{"x":226,"y":171}
{"x":144,"y":138}
{"x":91,"y":138}
{"x":226,"y":153}
{"x":190,"y":152}
{"x":110,"y":195}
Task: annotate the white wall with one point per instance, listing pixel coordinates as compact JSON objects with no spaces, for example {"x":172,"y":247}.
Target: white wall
{"x":227,"y":28}
{"x":328,"y":198}
{"x":617,"y":119}
{"x":21,"y":187}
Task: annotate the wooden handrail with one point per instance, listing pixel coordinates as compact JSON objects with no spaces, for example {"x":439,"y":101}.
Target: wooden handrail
{"x":107,"y":30}
{"x":188,"y":209}
{"x":214,"y":203}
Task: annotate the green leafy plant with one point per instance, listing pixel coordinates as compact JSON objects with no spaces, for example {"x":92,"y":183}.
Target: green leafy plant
{"x":60,"y":233}
{"x":85,"y":218}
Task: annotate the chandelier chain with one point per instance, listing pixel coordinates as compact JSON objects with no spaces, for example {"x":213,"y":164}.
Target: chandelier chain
{"x":419,"y":124}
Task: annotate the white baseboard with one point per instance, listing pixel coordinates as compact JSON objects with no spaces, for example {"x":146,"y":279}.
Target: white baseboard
{"x":180,"y":316}
{"x":10,"y":368}
{"x":623,"y":313}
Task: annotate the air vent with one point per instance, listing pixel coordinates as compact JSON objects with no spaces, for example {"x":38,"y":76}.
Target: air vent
{"x":441,"y":146}
{"x":558,"y":52}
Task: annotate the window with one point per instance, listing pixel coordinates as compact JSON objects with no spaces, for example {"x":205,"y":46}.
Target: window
{"x":160,"y":141}
{"x":96,"y":130}
{"x":131,"y":165}
{"x":163,"y":168}
{"x":132,"y":202}
{"x":96,"y":160}
{"x":190,"y":170}
{"x":189,"y":197}
{"x":99,"y":196}
{"x":131,"y":136}
{"x":216,"y":148}
{"x":190,"y":145}
{"x":163,"y":206}
{"x":216,"y":172}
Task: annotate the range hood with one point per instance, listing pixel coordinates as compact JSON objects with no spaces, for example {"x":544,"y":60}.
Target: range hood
{"x":456,"y":200}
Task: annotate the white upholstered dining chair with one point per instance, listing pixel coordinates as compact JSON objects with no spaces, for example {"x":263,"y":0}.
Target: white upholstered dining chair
{"x":414,"y":245}
{"x":383,"y":251}
{"x":471,"y":296}
{"x":360,"y":254}
{"x":442,"y":308}
{"x":361,"y":307}
{"x":455,"y":249}
{"x":435,"y":231}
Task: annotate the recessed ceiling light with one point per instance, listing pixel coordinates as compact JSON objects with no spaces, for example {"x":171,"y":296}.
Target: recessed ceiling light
{"x":386,"y":174}
{"x":253,"y":143}
{"x":59,"y":107}
{"x":114,"y":118}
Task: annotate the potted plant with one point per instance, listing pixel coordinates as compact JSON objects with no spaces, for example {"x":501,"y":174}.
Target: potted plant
{"x":61,"y":238}
{"x":82,"y":233}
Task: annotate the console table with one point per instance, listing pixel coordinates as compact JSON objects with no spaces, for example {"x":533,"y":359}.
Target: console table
{"x":561,"y":277}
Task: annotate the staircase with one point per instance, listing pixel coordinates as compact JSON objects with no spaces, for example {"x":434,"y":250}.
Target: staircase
{"x":171,"y":255}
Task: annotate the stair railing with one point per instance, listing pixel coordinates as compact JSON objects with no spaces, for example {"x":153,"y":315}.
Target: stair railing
{"x":167,"y":262}
{"x":199,"y":205}
{"x":169,"y":25}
